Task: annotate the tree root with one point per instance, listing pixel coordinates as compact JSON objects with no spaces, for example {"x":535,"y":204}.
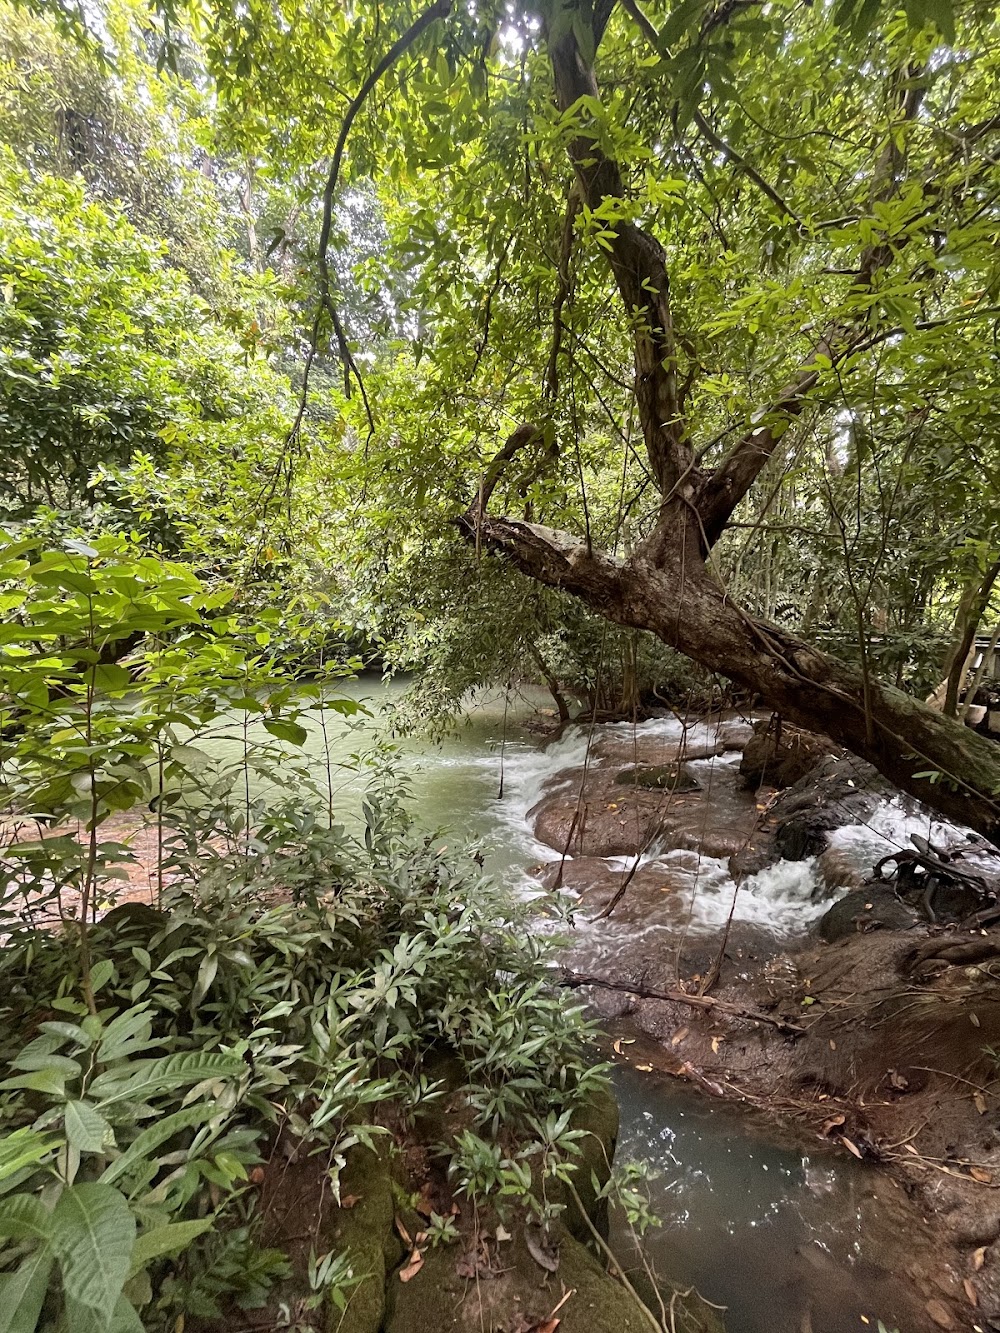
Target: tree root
{"x":706,"y":1002}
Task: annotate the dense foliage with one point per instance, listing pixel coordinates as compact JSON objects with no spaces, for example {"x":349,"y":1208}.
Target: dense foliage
{"x":285,"y":291}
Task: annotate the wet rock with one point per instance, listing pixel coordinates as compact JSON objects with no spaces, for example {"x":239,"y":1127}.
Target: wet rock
{"x":838,"y":871}
{"x":623,"y":827}
{"x":780,"y":755}
{"x":873,"y":907}
{"x":658,"y":777}
{"x":639,"y":749}
{"x":837,"y":792}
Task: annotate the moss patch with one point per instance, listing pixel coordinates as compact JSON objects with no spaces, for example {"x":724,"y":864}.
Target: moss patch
{"x":658,"y":777}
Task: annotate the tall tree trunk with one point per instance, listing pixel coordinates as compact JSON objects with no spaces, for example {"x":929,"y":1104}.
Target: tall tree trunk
{"x":933,"y":757}
{"x":971,"y":609}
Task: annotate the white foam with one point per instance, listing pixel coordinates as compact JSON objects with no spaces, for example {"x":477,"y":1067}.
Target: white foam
{"x":779,"y":899}
{"x":891,"y":828}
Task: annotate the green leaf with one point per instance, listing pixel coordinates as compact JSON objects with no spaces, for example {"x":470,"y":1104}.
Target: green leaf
{"x":168,"y":1239}
{"x":206,"y":975}
{"x":150,"y":1139}
{"x":82,"y":1319}
{"x":50,"y":1081}
{"x":101,"y":974}
{"x":285,"y":730}
{"x":22,"y":1293}
{"x":25,"y":1217}
{"x":23,"y":1148}
{"x":119,"y":1033}
{"x":146,"y":1078}
{"x":93,"y":1236}
{"x":86,"y":1128}
{"x":112,"y":678}
{"x":62,"y":1064}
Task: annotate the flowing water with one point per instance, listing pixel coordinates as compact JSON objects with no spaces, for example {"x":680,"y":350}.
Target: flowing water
{"x":790,"y":1241}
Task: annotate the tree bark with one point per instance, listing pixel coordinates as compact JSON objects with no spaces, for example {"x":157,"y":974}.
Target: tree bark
{"x":971,"y":610}
{"x":936,"y":759}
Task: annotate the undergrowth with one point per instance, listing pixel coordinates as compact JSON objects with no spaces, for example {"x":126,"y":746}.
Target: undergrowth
{"x":304,"y":997}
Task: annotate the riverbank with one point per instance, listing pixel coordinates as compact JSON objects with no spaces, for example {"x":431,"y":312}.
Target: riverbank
{"x":877,"y":1042}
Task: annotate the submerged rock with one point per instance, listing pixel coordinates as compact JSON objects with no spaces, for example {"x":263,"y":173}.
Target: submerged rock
{"x":837,"y":870}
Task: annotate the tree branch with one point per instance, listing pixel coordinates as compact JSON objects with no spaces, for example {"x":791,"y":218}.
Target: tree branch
{"x":440,"y":9}
{"x":707,"y":1002}
{"x":638,"y":264}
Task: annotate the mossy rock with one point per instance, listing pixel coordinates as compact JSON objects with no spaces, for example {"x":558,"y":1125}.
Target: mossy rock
{"x":600,"y":1119}
{"x":659,"y":777}
{"x":365,"y":1231}
{"x":439,"y":1298}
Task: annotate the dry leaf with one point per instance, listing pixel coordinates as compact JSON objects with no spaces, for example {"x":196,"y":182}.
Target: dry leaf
{"x":939,"y":1313}
{"x":412,"y":1266}
{"x":404,"y":1235}
{"x":502,"y":1233}
{"x":851,"y":1147}
{"x":257,"y":1176}
{"x":910,"y":1148}
{"x":897,"y":1081}
{"x":541,"y":1251}
{"x":716,"y":1043}
{"x":984,"y":1177}
{"x":978,"y":1258}
{"x":980,"y":1103}
{"x":349,"y":1200}
{"x":974,"y":1020}
{"x":678,"y":1037}
{"x":970,"y":1291}
{"x":834,"y":1122}
{"x":644,"y":1069}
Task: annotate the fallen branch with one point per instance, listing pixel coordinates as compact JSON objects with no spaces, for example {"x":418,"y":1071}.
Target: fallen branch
{"x":707,"y":1002}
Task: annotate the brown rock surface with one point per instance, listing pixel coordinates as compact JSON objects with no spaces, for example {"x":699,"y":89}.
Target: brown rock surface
{"x":780,"y":754}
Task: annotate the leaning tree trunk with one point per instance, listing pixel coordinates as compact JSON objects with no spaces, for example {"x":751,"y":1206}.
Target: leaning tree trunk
{"x":942,"y":762}
{"x":668,"y":585}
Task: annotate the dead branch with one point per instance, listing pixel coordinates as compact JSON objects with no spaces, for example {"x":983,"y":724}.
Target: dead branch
{"x":574,"y":980}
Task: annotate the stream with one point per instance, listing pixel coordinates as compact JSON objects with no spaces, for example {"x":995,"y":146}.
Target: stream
{"x":791,"y":1239}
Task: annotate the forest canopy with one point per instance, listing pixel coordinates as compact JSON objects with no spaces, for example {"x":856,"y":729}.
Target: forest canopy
{"x":643,"y":350}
